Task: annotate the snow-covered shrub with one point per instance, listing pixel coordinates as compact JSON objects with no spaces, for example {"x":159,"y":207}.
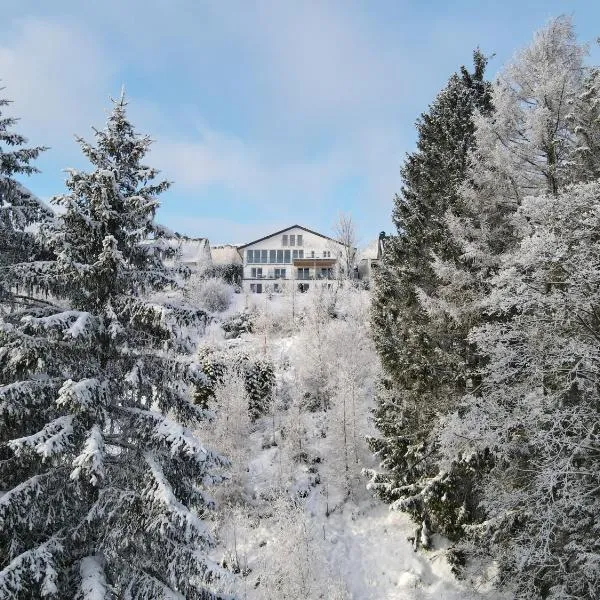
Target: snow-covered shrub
{"x":237,"y":324}
{"x":259,"y":379}
{"x":258,"y":375}
{"x":213,"y":294}
{"x":213,"y":367}
{"x":231,"y":273}
{"x":294,"y":562}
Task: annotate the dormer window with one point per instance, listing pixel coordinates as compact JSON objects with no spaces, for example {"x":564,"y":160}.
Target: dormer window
{"x":292,"y":240}
{"x":284,"y":240}
{"x":299,"y":240}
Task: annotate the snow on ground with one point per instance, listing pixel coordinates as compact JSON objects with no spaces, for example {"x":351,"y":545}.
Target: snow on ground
{"x":357,"y":546}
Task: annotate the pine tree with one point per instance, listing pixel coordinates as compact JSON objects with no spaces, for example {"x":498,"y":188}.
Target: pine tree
{"x":18,"y":207}
{"x":424,"y":356}
{"x":102,"y":476}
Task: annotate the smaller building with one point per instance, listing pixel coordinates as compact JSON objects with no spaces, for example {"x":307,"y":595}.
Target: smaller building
{"x":193,"y":253}
{"x":370,"y":258}
{"x":225,"y":254}
{"x":295,"y":256}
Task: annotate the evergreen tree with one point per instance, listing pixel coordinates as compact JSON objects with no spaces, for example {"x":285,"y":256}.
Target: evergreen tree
{"x":425,"y":358}
{"x":102,"y":478}
{"x":525,"y":284}
{"x":18,"y":207}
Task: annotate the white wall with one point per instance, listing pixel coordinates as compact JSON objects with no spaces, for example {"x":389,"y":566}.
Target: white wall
{"x":312,"y":246}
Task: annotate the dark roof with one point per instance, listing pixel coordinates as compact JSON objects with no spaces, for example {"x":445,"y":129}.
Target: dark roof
{"x":287,"y":229}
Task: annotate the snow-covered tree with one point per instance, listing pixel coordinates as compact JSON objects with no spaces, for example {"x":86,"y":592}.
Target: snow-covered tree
{"x":525,"y":147}
{"x":538,"y":408}
{"x":228,"y":433}
{"x":354,"y":368}
{"x":295,"y":565}
{"x":584,"y":119}
{"x":102,"y":476}
{"x":18,"y":207}
{"x":310,"y":351}
{"x":425,"y":358}
{"x":345,"y":235}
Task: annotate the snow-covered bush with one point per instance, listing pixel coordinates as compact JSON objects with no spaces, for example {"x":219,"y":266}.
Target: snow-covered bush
{"x":237,"y":324}
{"x":294,"y":564}
{"x":213,"y":293}
{"x":259,"y":380}
{"x":257,"y":374}
{"x":230,"y":273}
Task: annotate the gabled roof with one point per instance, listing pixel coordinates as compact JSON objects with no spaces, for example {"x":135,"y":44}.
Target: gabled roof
{"x":266,"y":237}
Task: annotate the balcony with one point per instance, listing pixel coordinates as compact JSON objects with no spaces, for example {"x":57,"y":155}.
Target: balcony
{"x":315,"y":262}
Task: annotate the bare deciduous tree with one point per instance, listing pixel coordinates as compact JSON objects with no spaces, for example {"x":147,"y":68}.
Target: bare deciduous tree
{"x":345,"y":234}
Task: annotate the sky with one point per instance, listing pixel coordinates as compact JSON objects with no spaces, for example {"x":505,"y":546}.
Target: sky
{"x":265,"y":113}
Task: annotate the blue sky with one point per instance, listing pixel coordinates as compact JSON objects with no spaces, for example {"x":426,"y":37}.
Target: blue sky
{"x":265,"y":113}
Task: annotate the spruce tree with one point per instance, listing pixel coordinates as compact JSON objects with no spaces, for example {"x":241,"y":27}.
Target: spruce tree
{"x":18,"y":207}
{"x":103,"y":479}
{"x":426,"y":358}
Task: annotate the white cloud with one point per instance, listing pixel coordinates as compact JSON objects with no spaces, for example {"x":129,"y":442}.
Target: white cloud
{"x":224,"y":231}
{"x":58,"y":78}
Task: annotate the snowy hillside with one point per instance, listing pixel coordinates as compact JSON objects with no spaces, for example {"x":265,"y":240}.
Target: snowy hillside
{"x":300,"y":521}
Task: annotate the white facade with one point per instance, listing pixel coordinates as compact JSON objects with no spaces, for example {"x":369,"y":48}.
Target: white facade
{"x":295,"y":256}
{"x":225,"y":254}
{"x":191,"y":252}
{"x":369,"y":258}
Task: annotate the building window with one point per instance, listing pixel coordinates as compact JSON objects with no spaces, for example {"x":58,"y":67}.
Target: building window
{"x":312,"y":253}
{"x":299,"y":240}
{"x":249,"y":256}
{"x":284,"y":240}
{"x":279,"y":256}
{"x":287,"y":256}
{"x":292,"y":240}
{"x":264,"y":256}
{"x":326,"y":254}
{"x":279,"y":273}
{"x":272,"y":256}
{"x":256,"y":288}
{"x":303,"y":287}
{"x":300,"y":253}
{"x":303,"y":273}
{"x":256,"y":272}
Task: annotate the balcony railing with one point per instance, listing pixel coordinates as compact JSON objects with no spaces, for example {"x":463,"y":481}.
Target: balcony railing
{"x":317,"y":277}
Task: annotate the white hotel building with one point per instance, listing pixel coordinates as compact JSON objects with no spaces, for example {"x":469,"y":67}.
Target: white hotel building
{"x":295,"y":256}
